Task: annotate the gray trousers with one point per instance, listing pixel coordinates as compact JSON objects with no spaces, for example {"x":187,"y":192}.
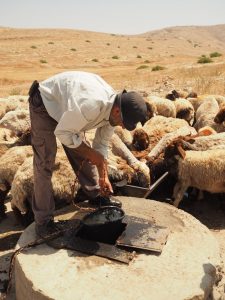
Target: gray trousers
{"x":44,"y":149}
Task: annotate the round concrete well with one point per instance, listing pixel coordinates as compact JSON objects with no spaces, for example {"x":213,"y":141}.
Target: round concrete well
{"x":184,"y":270}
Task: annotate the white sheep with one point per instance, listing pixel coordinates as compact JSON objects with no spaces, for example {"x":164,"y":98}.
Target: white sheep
{"x":11,"y":160}
{"x":159,"y":126}
{"x":64,"y":182}
{"x":184,"y":110}
{"x":203,"y":170}
{"x":206,"y":114}
{"x":8,"y":139}
{"x":125,"y":135}
{"x":11,"y":103}
{"x":9,"y":164}
{"x":18,"y":121}
{"x":164,"y":107}
{"x":196,"y":102}
{"x":202,"y":143}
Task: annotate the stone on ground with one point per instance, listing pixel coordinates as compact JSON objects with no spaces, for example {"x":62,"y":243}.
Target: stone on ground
{"x":186,"y":268}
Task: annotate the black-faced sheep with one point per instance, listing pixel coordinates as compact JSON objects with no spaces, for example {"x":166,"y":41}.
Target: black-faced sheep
{"x":184,"y":110}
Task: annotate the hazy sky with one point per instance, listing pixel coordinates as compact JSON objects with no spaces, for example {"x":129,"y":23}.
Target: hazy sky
{"x":114,"y":16}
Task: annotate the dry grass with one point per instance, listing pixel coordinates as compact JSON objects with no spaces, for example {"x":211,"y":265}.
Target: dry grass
{"x":25,"y":51}
{"x":204,"y":79}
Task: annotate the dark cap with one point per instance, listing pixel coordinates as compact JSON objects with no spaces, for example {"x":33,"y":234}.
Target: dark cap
{"x":133,"y":109}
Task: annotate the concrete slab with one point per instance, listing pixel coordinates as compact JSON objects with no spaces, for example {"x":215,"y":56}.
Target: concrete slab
{"x":184,"y":270}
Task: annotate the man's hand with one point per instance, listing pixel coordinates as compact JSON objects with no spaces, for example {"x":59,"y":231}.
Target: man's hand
{"x":97,"y":159}
{"x":101,"y":164}
{"x":105,"y":185}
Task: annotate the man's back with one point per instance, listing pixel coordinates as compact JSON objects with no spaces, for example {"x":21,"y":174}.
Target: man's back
{"x":74,"y":90}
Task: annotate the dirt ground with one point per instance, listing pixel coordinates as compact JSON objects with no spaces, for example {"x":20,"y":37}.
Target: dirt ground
{"x":210,"y":212}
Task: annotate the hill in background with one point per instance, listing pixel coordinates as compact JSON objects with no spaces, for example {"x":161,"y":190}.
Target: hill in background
{"x":125,"y":61}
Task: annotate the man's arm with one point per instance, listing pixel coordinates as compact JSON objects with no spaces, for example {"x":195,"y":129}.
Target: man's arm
{"x":102,"y":138}
{"x":69,"y":132}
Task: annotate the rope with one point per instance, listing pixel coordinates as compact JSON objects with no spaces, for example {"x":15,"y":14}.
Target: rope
{"x":34,"y":243}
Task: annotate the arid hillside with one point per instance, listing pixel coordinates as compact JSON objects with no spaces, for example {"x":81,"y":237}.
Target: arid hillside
{"x":124,"y":61}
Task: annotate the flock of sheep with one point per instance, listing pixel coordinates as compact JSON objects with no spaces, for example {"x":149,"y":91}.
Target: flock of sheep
{"x":184,"y":135}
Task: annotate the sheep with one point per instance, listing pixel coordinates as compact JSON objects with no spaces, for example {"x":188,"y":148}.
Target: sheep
{"x":11,"y":160}
{"x":146,"y":138}
{"x":64,"y":183}
{"x":206,"y":114}
{"x":173,"y":95}
{"x":137,"y":140}
{"x":184,"y":110}
{"x":220,"y":99}
{"x":6,"y":106}
{"x":142,"y":171}
{"x":202,"y":143}
{"x":141,"y":140}
{"x":7,"y":135}
{"x":8,"y":139}
{"x":167,"y":139}
{"x":124,"y":135}
{"x":17,"y":121}
{"x":118,"y":170}
{"x":12,"y":103}
{"x":9,"y":164}
{"x":203,"y":170}
{"x":163,"y":106}
{"x":196,"y":102}
{"x":159,"y":126}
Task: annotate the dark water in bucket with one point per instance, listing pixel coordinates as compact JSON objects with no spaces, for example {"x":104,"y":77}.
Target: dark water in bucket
{"x":104,"y":225}
{"x":104,"y":216}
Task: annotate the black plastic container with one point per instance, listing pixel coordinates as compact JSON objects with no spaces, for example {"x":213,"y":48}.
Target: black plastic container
{"x":103,"y":225}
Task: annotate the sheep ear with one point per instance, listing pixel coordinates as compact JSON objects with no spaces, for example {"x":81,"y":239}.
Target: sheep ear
{"x":181,"y":151}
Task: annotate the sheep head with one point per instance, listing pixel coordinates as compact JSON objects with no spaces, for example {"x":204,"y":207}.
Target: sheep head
{"x":140,"y":139}
{"x":173,"y":95}
{"x":184,"y":113}
{"x":151,"y":109}
{"x":220,"y":117}
{"x":173,"y":149}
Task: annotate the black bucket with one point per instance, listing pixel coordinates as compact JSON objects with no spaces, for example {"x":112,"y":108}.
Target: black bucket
{"x":103,"y":225}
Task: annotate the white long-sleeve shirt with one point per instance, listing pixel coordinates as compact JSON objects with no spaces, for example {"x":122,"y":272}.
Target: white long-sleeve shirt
{"x":79,"y":101}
